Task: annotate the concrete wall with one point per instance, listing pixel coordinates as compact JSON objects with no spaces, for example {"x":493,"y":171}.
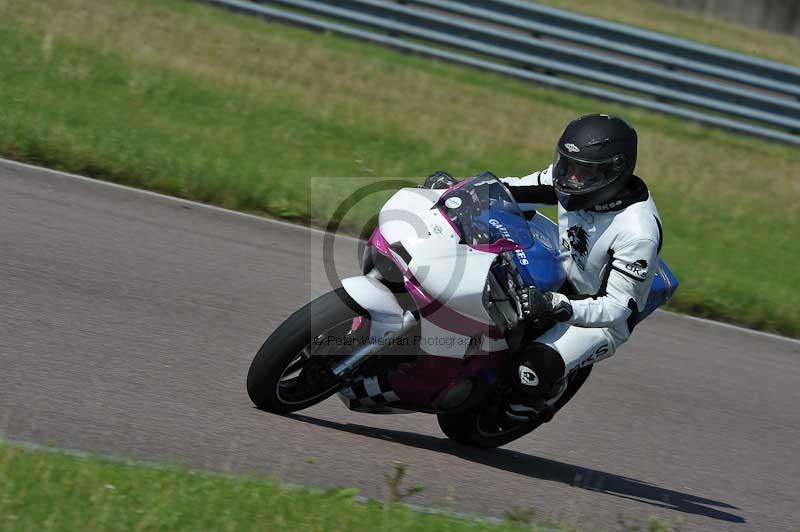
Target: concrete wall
{"x":773,"y":15}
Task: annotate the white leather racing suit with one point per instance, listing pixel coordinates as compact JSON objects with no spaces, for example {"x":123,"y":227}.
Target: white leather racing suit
{"x":610,"y":253}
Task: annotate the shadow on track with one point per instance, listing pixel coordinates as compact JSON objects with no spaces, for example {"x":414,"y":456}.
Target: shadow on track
{"x":544,"y":469}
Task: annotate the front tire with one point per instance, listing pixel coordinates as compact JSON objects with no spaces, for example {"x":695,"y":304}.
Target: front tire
{"x":289,"y":373}
{"x":487,"y":429}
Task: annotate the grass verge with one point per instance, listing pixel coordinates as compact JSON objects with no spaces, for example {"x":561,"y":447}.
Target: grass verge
{"x":45,"y":490}
{"x":200,"y":103}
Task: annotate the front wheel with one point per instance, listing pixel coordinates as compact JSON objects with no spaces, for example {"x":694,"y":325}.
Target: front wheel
{"x":488,"y":427}
{"x":292,"y":370}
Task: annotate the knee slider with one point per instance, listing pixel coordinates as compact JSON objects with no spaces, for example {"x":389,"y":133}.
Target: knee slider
{"x":536,"y":369}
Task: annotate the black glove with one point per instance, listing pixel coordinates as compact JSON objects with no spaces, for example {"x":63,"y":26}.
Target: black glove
{"x":536,"y":305}
{"x":439,"y":180}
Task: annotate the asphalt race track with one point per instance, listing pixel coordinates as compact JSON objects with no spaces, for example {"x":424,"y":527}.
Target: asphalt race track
{"x":128,"y":322}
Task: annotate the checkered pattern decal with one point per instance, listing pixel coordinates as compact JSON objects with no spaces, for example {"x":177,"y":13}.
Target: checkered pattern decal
{"x":369,"y":394}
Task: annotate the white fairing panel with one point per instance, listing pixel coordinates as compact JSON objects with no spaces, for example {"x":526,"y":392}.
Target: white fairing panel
{"x":454,"y":274}
{"x":407,"y":216}
{"x":372,"y":295}
{"x":435,"y":340}
{"x":386,"y":315}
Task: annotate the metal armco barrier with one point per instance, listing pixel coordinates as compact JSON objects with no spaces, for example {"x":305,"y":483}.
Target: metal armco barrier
{"x":569,"y":51}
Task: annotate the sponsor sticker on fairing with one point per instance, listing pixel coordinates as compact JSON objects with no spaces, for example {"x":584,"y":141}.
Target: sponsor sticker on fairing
{"x":523,"y":258}
{"x":453,"y":202}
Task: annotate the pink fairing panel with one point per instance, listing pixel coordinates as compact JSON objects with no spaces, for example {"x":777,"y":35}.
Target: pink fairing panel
{"x":501,"y":246}
{"x":376,"y":240}
{"x":424,"y":382}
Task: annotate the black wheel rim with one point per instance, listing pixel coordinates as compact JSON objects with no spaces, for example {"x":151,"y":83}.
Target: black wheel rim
{"x":308,"y":376}
{"x":491,"y":424}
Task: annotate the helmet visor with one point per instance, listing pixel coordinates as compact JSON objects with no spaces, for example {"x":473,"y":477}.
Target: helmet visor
{"x":573,"y":176}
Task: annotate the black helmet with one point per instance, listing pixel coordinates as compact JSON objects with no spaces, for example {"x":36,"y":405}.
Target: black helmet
{"x":595,"y":158}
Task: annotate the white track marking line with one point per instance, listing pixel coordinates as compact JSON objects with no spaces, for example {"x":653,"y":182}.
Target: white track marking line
{"x":771,"y":336}
{"x":316,"y":230}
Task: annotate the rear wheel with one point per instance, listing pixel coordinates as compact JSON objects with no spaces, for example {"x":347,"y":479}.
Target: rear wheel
{"x":485,"y":428}
{"x":488,"y":427}
{"x":292,"y":370}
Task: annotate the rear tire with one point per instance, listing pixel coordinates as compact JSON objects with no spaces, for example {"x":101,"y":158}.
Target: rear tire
{"x":285,"y":347}
{"x":466,"y":428}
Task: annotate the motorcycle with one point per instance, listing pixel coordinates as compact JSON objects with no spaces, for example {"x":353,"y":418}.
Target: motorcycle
{"x":433,"y":322}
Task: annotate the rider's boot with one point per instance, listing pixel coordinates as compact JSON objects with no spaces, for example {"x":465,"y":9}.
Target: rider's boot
{"x":537,"y":381}
{"x":542,"y":407}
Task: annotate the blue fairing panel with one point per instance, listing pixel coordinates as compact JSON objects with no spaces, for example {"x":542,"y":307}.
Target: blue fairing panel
{"x":539,"y":263}
{"x":544,"y":270}
{"x":664,"y":286}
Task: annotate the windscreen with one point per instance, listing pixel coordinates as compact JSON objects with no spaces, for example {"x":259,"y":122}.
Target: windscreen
{"x":483,"y":211}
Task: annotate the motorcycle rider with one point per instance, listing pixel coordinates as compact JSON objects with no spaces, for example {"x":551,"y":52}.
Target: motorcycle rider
{"x":610,"y":236}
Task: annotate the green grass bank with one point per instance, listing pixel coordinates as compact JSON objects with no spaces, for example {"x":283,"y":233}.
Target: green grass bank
{"x":188,"y":100}
{"x":49,"y":491}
